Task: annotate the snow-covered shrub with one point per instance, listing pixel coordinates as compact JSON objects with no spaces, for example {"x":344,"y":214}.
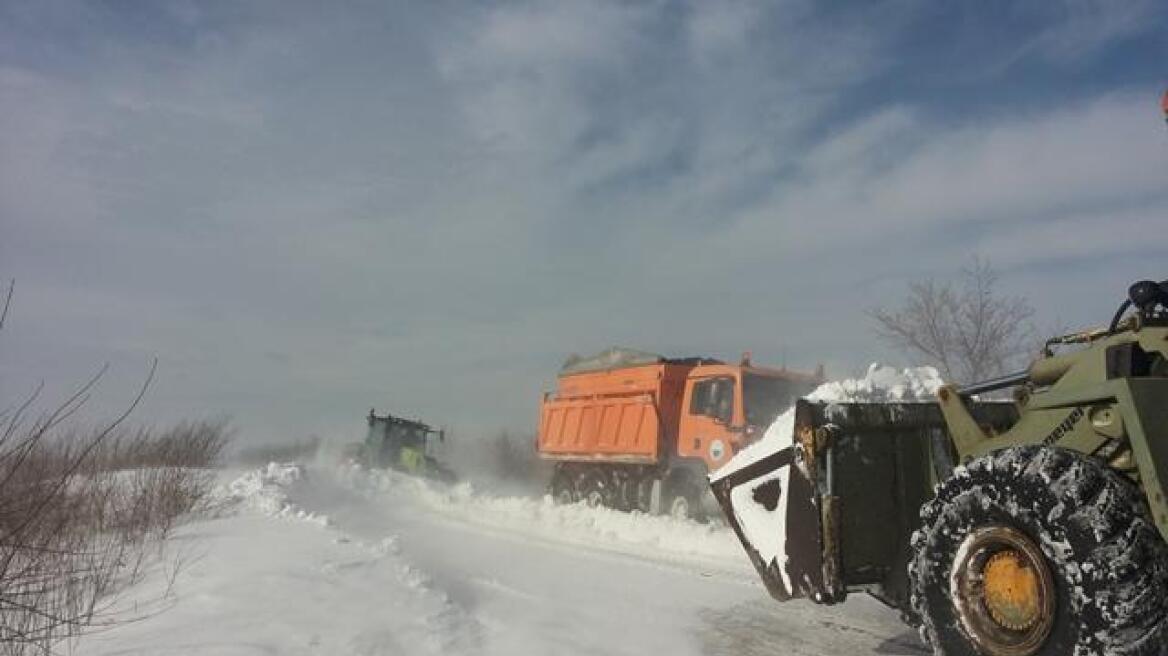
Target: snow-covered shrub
{"x":79,"y":509}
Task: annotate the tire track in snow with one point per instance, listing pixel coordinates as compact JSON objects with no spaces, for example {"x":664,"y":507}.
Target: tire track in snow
{"x":710,"y":607}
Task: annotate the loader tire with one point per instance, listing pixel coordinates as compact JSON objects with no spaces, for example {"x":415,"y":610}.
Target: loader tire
{"x":1039,"y":551}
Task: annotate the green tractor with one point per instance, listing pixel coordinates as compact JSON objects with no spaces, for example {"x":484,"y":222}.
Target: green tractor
{"x":1035,"y":526}
{"x":405,"y":445}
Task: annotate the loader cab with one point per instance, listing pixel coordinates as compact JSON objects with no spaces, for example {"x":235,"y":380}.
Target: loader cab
{"x":726,"y":407}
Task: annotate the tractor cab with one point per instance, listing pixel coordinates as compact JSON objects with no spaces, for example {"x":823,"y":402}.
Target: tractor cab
{"x":403,"y":444}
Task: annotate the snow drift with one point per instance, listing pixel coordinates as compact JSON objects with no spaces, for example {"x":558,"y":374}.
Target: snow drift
{"x":635,"y":533}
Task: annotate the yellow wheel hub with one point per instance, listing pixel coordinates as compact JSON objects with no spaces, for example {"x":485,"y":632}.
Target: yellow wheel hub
{"x":1003,"y":592}
{"x":1012,"y":591}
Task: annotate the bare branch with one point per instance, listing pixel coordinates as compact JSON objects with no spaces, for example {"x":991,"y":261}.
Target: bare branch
{"x":7,"y":302}
{"x":79,"y":509}
{"x":969,"y":332}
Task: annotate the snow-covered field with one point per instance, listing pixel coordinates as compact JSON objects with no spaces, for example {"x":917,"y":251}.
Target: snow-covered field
{"x":346,"y":561}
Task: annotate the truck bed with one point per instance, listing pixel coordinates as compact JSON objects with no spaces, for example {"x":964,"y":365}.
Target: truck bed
{"x":620,"y":415}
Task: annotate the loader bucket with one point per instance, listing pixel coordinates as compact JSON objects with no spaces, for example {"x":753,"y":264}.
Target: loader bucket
{"x":831,"y":509}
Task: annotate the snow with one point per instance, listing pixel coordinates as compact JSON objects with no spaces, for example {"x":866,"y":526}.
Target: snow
{"x":320,"y":560}
{"x":266,"y":490}
{"x":651,"y":536}
{"x":883,"y":383}
{"x":288,"y":588}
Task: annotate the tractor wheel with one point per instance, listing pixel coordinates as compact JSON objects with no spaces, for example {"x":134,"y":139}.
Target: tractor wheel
{"x":596,"y":489}
{"x":1039,"y":551}
{"x":564,"y":489}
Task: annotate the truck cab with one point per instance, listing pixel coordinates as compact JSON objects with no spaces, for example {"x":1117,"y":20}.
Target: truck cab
{"x":726,"y":407}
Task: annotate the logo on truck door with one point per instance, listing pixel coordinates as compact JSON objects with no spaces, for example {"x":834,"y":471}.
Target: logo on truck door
{"x":717,"y":449}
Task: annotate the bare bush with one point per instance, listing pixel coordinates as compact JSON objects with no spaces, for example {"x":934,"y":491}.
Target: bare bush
{"x":968,"y":330}
{"x":80,"y":507}
{"x":78,"y":511}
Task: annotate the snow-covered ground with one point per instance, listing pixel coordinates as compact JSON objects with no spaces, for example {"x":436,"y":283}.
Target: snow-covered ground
{"x":346,"y":561}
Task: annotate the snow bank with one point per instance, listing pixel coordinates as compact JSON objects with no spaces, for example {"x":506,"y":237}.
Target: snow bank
{"x":627,"y":532}
{"x":287,"y":587}
{"x":266,"y":490}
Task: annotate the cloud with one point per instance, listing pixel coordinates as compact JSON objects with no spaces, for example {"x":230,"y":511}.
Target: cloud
{"x":429,"y":206}
{"x":892,"y":173}
{"x":1083,"y":236}
{"x":1081,"y":28}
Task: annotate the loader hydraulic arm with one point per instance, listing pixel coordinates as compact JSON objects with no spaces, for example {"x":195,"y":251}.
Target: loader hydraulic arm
{"x":965,"y":432}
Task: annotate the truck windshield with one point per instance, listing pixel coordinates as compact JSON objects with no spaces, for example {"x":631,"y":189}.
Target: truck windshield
{"x":763,"y":398}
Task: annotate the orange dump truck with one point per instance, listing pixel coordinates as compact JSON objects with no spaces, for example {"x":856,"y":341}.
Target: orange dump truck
{"x":634,"y":430}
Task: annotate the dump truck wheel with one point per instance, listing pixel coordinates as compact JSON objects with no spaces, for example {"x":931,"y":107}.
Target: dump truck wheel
{"x":681,"y":506}
{"x":596,"y":489}
{"x":682,"y":498}
{"x":641,"y":491}
{"x":1039,"y":551}
{"x":564,"y":489}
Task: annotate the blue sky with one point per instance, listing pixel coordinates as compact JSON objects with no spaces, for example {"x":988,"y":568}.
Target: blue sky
{"x":307,"y":209}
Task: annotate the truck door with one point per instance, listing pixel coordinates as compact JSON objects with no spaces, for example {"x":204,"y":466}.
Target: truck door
{"x":707,"y":417}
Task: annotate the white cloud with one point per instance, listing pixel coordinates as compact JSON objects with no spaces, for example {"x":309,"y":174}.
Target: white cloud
{"x":716,"y":28}
{"x":874,"y":181}
{"x":580,"y":33}
{"x":309,"y":214}
{"x":1082,"y":28}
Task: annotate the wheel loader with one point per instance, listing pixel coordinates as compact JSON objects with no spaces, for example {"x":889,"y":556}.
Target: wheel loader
{"x":1033,"y":526}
